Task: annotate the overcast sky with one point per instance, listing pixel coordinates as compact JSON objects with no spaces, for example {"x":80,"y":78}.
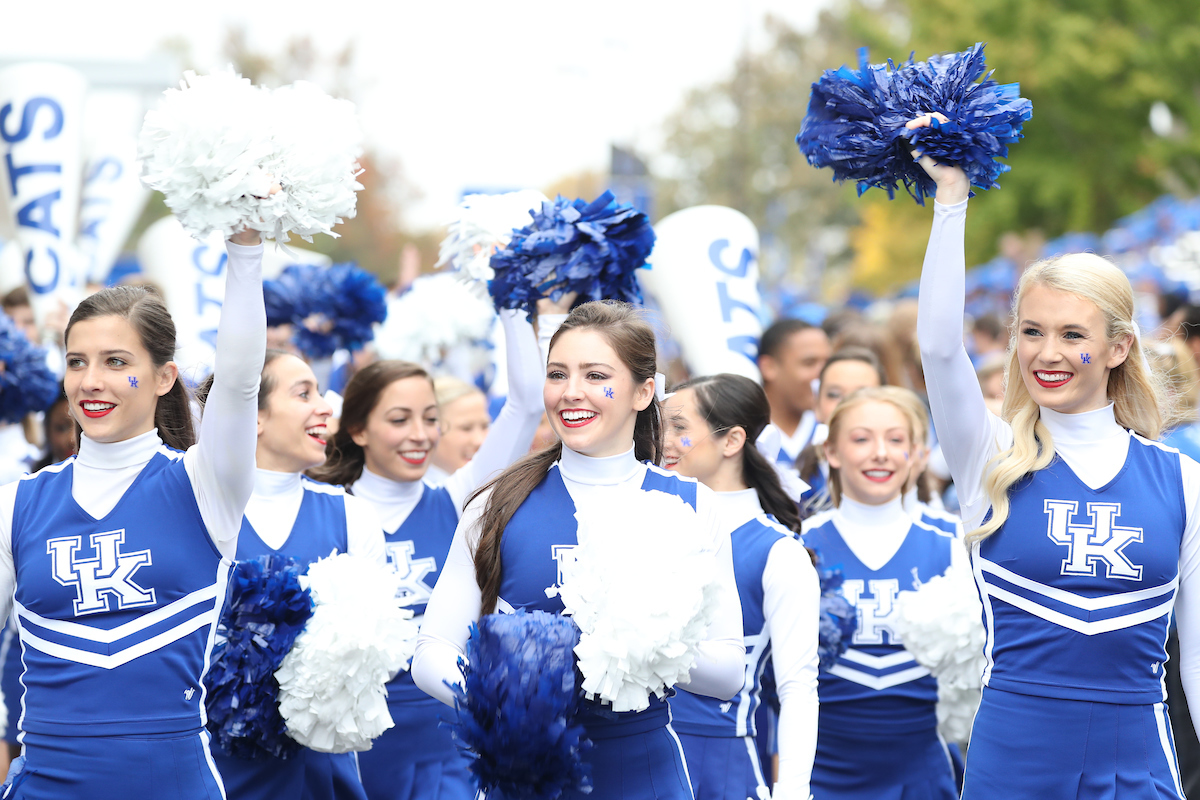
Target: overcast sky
{"x":466,"y":94}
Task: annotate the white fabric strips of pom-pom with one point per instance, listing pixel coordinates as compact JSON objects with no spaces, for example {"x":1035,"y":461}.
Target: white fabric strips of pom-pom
{"x":332,"y":693}
{"x":215,"y":146}
{"x":485,"y":222}
{"x":941,"y":624}
{"x":437,"y":313}
{"x":643,"y":592}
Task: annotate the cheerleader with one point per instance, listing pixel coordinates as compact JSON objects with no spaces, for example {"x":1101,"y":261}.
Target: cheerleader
{"x":1082,"y":528}
{"x":877,"y":737}
{"x":712,"y":434}
{"x":290,"y":515}
{"x":600,"y":396}
{"x":463,"y":423}
{"x":922,"y":504}
{"x":117,"y":559}
{"x":381,"y":452}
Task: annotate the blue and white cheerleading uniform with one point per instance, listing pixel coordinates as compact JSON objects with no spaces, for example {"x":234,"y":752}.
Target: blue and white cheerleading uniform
{"x":119,"y":558}
{"x":780,"y":599}
{"x":290,"y":515}
{"x":877,"y":738}
{"x":417,"y":759}
{"x":636,"y":755}
{"x":1078,"y":584}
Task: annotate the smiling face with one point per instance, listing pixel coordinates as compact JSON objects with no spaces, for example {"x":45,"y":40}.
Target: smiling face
{"x":1063,"y":352}
{"x":872,"y":451}
{"x":592,"y":399}
{"x":401,"y":430}
{"x":841,"y":379}
{"x":291,"y":428}
{"x":111,"y":382}
{"x":464,"y":424}
{"x":690,"y":446}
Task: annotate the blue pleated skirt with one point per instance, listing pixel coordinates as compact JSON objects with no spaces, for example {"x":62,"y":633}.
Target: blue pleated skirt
{"x":417,"y":759}
{"x":1042,"y":747}
{"x":914,"y":765}
{"x":332,"y":777}
{"x":261,"y":778}
{"x":724,"y":767}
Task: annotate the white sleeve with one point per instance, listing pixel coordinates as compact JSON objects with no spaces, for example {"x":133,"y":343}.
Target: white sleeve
{"x":792,"y":607}
{"x":1187,"y":600}
{"x":221,"y":464}
{"x":8,"y":570}
{"x":968,"y":432}
{"x":455,"y":604}
{"x":511,"y":434}
{"x":548,"y":325}
{"x":720,"y":669}
{"x":364,"y":531}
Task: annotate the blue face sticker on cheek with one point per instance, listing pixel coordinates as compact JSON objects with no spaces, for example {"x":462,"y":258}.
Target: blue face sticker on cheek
{"x":686,"y":442}
{"x":608,"y":392}
{"x":906,"y":455}
{"x":1086,"y":358}
{"x":133,"y":382}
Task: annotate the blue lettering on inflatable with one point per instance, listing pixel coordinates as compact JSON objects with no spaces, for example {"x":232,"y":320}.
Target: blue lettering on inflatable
{"x":714,"y":255}
{"x":41,"y":288}
{"x":215,"y":270}
{"x":209,"y":336}
{"x":203,"y":300}
{"x":98,"y":169}
{"x":729,"y":305}
{"x":15,"y":172}
{"x":744,"y":346}
{"x":28,"y":116}
{"x":37,"y":213}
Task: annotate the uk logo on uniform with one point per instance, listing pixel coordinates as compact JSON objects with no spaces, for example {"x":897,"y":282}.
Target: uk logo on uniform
{"x":411,"y":572}
{"x":1096,"y":541}
{"x":107,"y":576}
{"x":875,"y":612}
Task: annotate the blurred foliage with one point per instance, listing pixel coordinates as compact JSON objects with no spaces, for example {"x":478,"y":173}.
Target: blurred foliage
{"x":1092,"y":68}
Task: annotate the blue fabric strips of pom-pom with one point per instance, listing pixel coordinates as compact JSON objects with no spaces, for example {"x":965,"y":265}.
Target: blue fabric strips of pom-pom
{"x":26,"y":383}
{"x":593,"y":249}
{"x":839,"y":619}
{"x":516,"y":716}
{"x":856,"y":118}
{"x":266,"y":610}
{"x":333,"y":308}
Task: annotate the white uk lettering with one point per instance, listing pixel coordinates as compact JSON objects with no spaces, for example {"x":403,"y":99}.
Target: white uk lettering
{"x":875,"y":612}
{"x":1098,"y":541}
{"x":562,"y":554}
{"x":412,"y":588}
{"x":97,"y":580}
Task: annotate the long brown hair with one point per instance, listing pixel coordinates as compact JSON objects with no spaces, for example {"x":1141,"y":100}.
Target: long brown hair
{"x":623,"y":327}
{"x":145,"y":312}
{"x":344,"y":458}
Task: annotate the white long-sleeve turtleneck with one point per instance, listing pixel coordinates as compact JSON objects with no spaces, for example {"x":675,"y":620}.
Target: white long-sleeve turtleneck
{"x":791,"y":608}
{"x":392,"y":500}
{"x":457,"y":600}
{"x":1092,"y":444}
{"x":275,"y":504}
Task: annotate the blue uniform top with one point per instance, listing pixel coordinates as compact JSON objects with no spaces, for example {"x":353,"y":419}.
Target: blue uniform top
{"x":318,"y":532}
{"x":106,"y":604}
{"x":538,"y":538}
{"x":708,"y":716}
{"x":877,"y":682}
{"x":1078,"y":583}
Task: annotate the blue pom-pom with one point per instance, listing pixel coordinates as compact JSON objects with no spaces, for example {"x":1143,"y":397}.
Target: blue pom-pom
{"x":856,"y":118}
{"x":333,"y":308}
{"x":839,"y":619}
{"x":26,"y":383}
{"x":572,"y":246}
{"x":516,"y":716}
{"x":266,"y":610}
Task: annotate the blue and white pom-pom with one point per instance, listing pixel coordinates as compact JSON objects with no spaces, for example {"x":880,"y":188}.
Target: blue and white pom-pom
{"x":592,"y":249}
{"x":216,"y":146}
{"x":437,"y":313}
{"x":516,"y":710}
{"x":485,"y":222}
{"x":267,"y":609}
{"x":839,"y":619}
{"x":941,"y":624}
{"x":27,"y":385}
{"x":332,"y":691}
{"x":333,"y":307}
{"x":643,"y":589}
{"x":856,"y":118}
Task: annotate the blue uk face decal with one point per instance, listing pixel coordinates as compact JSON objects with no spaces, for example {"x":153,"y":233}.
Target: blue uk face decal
{"x":1086,"y":358}
{"x":687,"y":442}
{"x":133,"y":382}
{"x":608,"y":392}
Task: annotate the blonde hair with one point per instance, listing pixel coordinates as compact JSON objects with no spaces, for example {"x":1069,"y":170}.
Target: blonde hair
{"x":447,"y":389}
{"x":903,"y":399}
{"x":1139,"y":400}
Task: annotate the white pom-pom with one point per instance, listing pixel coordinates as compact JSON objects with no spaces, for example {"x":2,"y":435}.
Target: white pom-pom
{"x":942,"y":626}
{"x":484,"y":222}
{"x":216,"y":146}
{"x":642,"y":591}
{"x":332,"y":693}
{"x":437,"y":313}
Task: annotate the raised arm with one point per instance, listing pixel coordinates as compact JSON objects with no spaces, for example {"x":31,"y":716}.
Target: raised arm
{"x":792,"y":607}
{"x":221,"y":464}
{"x":965,"y":428}
{"x":1187,"y":599}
